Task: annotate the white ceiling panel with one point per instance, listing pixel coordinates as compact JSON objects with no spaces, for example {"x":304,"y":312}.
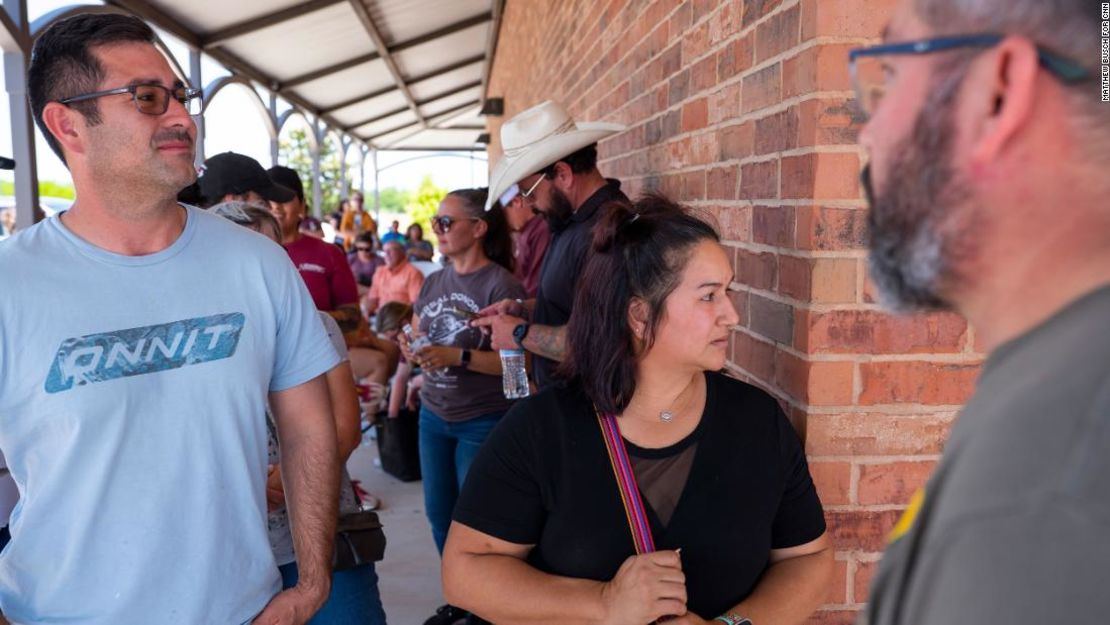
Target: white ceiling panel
{"x":441,"y":84}
{"x":450,"y":102}
{"x":405,"y":20}
{"x":335,"y":35}
{"x":305,"y":44}
{"x":440,"y":138}
{"x":385,"y":125}
{"x":426,"y":57}
{"x":370,"y":108}
{"x":342,"y":86}
{"x":207,"y":16}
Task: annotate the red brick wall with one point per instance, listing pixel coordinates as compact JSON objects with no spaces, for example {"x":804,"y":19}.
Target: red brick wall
{"x":740,"y":108}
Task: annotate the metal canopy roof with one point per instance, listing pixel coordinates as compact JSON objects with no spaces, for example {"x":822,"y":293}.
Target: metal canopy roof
{"x":394,"y":74}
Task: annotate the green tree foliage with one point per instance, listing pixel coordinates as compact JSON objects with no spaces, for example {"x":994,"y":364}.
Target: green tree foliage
{"x":47,"y":188}
{"x":393,"y":200}
{"x":296,"y":153}
{"x":424,"y":204}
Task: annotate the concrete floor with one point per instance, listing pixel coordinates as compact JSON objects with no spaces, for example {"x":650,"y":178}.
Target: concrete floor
{"x":409,"y":575}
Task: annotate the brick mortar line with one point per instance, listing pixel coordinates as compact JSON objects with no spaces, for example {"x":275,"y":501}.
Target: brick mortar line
{"x":762,"y":248}
{"x":756,"y":159}
{"x":946,"y":412}
{"x":885,"y":507}
{"x":853,"y":481}
{"x":841,"y":607}
{"x":954,"y":358}
{"x":860,"y":205}
{"x":666,"y":19}
{"x":779,"y":106}
{"x":873,"y":461}
{"x":850,"y":583}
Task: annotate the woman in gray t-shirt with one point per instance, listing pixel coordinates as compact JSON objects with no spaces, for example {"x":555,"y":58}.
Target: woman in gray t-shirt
{"x":462,"y":398}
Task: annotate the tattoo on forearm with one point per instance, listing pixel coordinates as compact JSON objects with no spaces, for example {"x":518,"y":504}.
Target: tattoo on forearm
{"x":547,"y":341}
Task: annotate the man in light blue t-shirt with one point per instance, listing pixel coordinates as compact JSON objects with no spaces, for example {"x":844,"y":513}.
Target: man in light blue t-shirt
{"x":139,"y":342}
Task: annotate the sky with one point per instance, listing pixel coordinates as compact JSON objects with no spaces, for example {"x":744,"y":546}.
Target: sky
{"x":234,"y":123}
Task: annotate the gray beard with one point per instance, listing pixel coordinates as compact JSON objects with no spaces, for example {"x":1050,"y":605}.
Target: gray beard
{"x":920,"y":225}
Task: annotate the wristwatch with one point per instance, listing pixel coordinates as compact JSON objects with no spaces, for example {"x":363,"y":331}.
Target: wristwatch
{"x":520,"y":332}
{"x":464,"y":359}
{"x":731,"y":618}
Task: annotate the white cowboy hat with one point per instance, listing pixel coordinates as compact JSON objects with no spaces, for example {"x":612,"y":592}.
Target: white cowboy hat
{"x":538,"y":137}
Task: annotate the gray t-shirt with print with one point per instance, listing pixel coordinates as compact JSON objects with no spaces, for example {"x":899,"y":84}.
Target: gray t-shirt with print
{"x":1014,"y":526}
{"x":281,"y":538}
{"x":456,"y":393}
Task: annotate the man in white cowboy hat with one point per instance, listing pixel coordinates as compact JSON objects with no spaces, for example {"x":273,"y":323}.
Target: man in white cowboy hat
{"x":553,"y":160}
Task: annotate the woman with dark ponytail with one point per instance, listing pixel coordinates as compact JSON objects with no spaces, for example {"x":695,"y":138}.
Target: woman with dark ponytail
{"x":646,"y":485}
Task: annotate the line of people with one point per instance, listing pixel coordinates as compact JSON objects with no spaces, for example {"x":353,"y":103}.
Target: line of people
{"x":157,"y":430}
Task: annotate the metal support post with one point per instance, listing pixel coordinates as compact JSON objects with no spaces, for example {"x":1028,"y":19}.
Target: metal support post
{"x":197,"y":79}
{"x":275,"y":145}
{"x":377,"y":188}
{"x":27,"y":210}
{"x":317,"y":192}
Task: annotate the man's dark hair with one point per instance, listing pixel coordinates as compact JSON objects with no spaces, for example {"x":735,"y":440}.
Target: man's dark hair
{"x":63,"y":65}
{"x":497,"y":243}
{"x":580,"y":162}
{"x":640,"y":251}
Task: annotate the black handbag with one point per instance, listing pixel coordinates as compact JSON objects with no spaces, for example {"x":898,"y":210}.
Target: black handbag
{"x":399,"y":445}
{"x":359,"y":540}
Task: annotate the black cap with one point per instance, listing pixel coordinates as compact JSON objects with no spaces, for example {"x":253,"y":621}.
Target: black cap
{"x":236,"y":174}
{"x":287,"y":178}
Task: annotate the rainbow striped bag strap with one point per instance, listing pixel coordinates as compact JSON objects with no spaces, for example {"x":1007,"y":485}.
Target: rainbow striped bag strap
{"x":626,"y":482}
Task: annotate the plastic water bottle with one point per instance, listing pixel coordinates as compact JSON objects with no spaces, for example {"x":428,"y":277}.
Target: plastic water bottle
{"x":514,"y":377}
{"x":416,"y":343}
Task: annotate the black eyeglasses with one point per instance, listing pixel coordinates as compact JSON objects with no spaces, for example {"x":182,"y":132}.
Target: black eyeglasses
{"x":443,"y":223}
{"x":869,"y":75}
{"x":151,"y":99}
{"x":363,"y":249}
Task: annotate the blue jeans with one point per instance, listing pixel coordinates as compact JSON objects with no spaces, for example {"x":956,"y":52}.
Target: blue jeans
{"x":354,"y":598}
{"x":447,"y":449}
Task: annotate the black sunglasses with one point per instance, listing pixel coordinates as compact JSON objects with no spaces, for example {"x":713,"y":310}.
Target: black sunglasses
{"x":443,"y":223}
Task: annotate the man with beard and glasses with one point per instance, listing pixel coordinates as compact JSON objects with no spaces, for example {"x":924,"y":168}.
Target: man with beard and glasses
{"x":988,"y":192}
{"x":132,"y":421}
{"x":554,"y":159}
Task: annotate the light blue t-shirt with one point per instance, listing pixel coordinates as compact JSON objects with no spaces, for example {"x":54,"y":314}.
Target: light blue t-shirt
{"x":132,"y":403}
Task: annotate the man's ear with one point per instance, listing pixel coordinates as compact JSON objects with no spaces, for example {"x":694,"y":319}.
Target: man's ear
{"x":1003,"y":103}
{"x":564,"y":178}
{"x":66,"y":125}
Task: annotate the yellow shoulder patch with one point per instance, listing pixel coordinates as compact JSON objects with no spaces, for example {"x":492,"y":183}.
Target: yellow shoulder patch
{"x":905,"y":523}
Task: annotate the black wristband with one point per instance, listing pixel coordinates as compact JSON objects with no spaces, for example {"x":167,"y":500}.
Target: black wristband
{"x":464,"y":360}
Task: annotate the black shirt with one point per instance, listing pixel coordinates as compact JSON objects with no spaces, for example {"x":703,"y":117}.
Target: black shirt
{"x":543,"y":478}
{"x":563,"y":264}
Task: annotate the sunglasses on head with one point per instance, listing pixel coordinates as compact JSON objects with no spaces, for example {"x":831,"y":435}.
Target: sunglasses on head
{"x":443,"y":223}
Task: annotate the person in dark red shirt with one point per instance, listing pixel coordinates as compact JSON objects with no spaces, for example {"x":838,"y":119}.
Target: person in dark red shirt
{"x":531,"y":237}
{"x":331,"y":282}
{"x":323,"y":266}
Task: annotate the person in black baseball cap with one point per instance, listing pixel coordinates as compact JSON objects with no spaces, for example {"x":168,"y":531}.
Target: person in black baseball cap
{"x":230,"y":176}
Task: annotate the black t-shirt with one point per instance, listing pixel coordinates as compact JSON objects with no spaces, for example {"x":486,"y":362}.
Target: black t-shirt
{"x":563,"y":264}
{"x":543,"y":478}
